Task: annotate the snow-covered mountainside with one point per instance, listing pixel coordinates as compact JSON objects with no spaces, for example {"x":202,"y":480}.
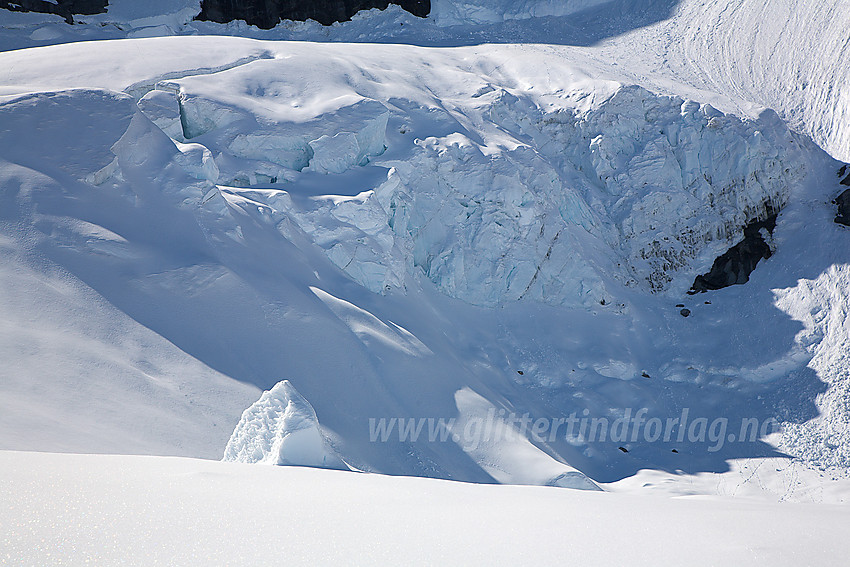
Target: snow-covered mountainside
{"x":403,"y":256}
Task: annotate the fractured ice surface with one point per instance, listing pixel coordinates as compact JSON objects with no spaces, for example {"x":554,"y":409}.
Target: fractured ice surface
{"x":646,"y":189}
{"x":637,"y":190}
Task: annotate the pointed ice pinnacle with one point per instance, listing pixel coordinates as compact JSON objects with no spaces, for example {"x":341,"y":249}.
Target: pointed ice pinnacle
{"x":281,"y":428}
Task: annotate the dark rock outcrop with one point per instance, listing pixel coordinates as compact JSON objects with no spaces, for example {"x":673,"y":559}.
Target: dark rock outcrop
{"x":737,"y":263}
{"x":262,"y":13}
{"x":65,"y":8}
{"x":266,"y":14}
{"x":843,"y":200}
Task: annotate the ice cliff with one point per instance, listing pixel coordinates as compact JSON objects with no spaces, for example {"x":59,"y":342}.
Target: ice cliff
{"x":553,"y":201}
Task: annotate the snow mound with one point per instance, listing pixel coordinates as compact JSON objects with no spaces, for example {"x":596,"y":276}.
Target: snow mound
{"x":281,"y":428}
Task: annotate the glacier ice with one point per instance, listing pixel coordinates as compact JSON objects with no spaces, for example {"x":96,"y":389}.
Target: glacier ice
{"x":281,"y":428}
{"x":465,"y":12}
{"x":562,"y":203}
{"x":651,"y":187}
{"x":162,"y":108}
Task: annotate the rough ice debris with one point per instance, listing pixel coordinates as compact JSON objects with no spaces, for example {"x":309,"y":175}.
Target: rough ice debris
{"x":652,"y":187}
{"x":281,"y":428}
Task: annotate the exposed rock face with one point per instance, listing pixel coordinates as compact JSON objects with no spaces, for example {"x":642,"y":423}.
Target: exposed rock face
{"x":843,"y":200}
{"x":267,"y":13}
{"x":262,"y":13}
{"x":64,"y":8}
{"x":846,"y":180}
{"x":737,"y":263}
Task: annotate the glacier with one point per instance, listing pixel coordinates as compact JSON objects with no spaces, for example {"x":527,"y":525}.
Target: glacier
{"x":420,"y":231}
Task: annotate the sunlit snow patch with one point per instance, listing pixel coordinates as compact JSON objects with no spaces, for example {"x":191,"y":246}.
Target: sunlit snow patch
{"x":507,"y":455}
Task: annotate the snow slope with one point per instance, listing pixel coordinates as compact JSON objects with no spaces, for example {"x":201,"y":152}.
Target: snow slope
{"x":110,"y":510}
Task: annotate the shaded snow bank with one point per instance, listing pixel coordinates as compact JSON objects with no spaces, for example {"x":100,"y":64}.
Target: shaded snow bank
{"x":823,"y":306}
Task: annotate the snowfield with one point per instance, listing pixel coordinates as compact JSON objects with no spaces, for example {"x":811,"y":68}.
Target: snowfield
{"x":115,"y":510}
{"x":462,"y":251}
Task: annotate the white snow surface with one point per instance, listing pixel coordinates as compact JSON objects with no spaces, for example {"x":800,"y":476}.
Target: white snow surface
{"x":452,"y":229}
{"x":758,"y":53}
{"x":117,"y":510}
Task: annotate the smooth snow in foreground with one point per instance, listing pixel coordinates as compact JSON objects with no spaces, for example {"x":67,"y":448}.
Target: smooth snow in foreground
{"x":83,"y":509}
